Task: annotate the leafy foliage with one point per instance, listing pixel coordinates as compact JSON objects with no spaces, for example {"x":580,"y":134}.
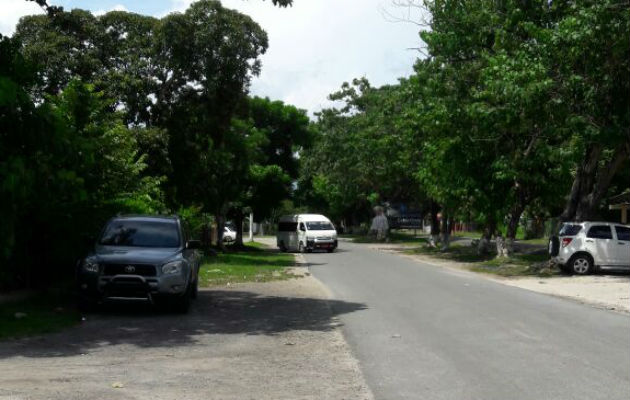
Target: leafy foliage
{"x":364,"y":151}
{"x":123,"y":113}
{"x":517,"y":105}
{"x":67,"y":164}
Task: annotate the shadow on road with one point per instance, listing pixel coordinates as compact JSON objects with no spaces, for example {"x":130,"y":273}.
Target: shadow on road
{"x":215,"y":312}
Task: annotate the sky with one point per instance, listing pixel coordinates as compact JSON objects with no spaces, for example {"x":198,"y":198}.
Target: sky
{"x":314,"y":46}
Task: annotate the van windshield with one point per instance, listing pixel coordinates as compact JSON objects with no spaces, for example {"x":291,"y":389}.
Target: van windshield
{"x":320,"y":226}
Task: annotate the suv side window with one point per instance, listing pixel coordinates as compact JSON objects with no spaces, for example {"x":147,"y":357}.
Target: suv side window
{"x":623,"y":233}
{"x":600,"y":232}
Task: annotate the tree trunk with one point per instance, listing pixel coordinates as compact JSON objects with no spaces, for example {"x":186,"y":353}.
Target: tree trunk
{"x":435,"y":225}
{"x":515,"y":217}
{"x":446,"y":231}
{"x":220,"y":217}
{"x":238,"y":220}
{"x":484,"y":243}
{"x":591,"y":183}
{"x":502,"y":246}
{"x":512,"y":228}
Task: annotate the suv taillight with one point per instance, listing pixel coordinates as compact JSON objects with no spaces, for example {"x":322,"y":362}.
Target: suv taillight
{"x":566,"y":241}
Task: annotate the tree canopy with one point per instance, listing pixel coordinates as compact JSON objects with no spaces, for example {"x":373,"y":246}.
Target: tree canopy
{"x":124,"y":113}
{"x":519,"y":107}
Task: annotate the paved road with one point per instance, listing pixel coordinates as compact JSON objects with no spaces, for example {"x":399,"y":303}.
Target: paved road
{"x":432,"y":333}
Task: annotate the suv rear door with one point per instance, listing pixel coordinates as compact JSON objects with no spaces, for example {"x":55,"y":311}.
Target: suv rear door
{"x":622,"y":246}
{"x":600,"y":243}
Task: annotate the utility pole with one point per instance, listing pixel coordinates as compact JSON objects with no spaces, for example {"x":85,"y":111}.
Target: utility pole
{"x":251,"y":227}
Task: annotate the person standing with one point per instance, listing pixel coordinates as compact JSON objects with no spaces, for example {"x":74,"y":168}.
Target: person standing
{"x":379,"y":224}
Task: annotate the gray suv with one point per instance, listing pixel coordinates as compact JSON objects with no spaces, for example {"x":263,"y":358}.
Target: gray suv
{"x":141,"y":259}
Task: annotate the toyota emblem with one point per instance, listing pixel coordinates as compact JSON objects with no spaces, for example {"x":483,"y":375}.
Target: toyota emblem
{"x":130,"y":269}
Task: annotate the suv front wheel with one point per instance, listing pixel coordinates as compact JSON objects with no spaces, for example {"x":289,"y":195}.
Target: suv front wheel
{"x":581,"y":264}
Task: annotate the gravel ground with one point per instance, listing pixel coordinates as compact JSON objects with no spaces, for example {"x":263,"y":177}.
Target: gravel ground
{"x":278,"y":340}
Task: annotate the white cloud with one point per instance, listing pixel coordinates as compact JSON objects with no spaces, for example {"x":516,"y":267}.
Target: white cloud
{"x":316,"y":45}
{"x":118,"y":7}
{"x":12,"y":10}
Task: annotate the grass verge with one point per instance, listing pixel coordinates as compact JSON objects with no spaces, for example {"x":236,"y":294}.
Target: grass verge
{"x":42,"y":313}
{"x":517,"y":265}
{"x":394,"y":237}
{"x":252,"y":264}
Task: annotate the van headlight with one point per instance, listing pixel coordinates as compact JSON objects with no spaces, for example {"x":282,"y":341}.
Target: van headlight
{"x":172,"y":268}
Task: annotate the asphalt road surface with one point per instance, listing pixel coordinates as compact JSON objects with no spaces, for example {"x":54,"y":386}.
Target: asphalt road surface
{"x":433,"y":333}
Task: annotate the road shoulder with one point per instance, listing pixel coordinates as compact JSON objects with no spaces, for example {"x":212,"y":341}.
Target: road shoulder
{"x":264,"y":341}
{"x":611,"y":292}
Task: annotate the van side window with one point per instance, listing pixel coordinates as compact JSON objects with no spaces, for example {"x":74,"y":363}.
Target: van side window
{"x":287,"y":226}
{"x":623,"y":233}
{"x":302,"y":227}
{"x":600,"y":232}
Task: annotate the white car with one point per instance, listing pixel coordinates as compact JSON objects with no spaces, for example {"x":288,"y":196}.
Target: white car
{"x":228,"y":235}
{"x":583,"y":247}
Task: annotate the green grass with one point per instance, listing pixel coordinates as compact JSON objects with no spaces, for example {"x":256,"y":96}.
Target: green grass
{"x":471,"y":235}
{"x":455,"y":252}
{"x":404,"y":238}
{"x":253,"y":264}
{"x":45,"y":313}
{"x":250,"y":245}
{"x":539,"y":241}
{"x":517,"y":265}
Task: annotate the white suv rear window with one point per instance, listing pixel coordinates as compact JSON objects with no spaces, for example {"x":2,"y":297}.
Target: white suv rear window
{"x":570,"y":230}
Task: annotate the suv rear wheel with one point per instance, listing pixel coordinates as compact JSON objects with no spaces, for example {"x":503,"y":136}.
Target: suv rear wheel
{"x":581,"y":264}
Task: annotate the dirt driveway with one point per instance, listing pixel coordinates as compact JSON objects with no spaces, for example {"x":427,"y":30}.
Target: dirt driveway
{"x":277,"y":340}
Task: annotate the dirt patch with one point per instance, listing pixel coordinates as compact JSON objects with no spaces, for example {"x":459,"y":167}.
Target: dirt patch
{"x":605,"y":291}
{"x":278,"y":340}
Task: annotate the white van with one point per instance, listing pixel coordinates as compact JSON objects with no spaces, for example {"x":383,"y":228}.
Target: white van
{"x":305,"y":233}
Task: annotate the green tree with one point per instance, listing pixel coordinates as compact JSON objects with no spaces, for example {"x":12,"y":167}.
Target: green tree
{"x":68,"y":164}
{"x":364,"y":153}
{"x":590,"y":50}
{"x":280,"y":133}
{"x":208,"y":55}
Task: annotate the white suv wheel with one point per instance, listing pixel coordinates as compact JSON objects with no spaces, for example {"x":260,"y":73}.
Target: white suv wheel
{"x":581,"y":265}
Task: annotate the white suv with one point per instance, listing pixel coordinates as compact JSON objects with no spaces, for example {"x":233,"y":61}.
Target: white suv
{"x":582,"y":247}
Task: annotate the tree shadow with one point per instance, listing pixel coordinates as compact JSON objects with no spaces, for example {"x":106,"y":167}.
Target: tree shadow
{"x":617,"y":274}
{"x":215,"y":312}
